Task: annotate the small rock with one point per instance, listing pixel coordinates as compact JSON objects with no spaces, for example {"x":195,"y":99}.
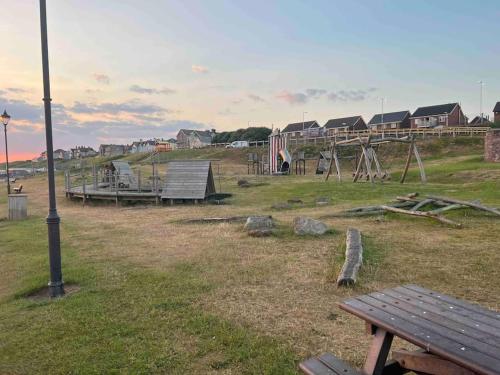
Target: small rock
{"x":322,"y":201}
{"x":295,"y":200}
{"x":243,"y":183}
{"x":305,"y":225}
{"x":281,"y":206}
{"x":259,"y":223}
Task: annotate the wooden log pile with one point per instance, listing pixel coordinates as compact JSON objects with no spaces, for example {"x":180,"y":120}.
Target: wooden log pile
{"x":431,"y":207}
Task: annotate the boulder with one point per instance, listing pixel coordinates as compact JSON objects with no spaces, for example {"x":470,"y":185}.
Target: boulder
{"x":259,"y":223}
{"x":307,"y":226}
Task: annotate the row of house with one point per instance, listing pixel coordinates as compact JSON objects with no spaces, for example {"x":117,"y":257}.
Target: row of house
{"x":436,"y":116}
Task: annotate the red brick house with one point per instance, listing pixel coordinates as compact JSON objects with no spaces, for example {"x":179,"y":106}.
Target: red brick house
{"x":496,"y":112}
{"x":337,"y":125}
{"x":391,"y":120}
{"x":443,"y":115}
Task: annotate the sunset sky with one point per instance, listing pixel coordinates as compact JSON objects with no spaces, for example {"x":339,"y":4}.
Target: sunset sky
{"x":122,"y":70}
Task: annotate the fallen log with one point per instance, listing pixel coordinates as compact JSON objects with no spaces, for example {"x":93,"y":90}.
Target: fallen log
{"x":378,"y":207}
{"x":423,"y":214}
{"x":466,"y":203}
{"x":446,"y":208}
{"x":208,"y":220}
{"x":353,"y":214}
{"x":421,"y":204}
{"x":353,"y":258}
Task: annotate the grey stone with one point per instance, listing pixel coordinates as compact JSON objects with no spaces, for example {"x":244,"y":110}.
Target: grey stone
{"x":305,"y":225}
{"x":259,"y":223}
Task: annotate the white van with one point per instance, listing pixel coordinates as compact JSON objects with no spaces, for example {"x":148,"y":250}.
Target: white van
{"x":238,"y":144}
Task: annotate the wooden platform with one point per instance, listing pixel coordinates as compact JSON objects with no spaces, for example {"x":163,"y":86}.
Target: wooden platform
{"x":121,"y":195}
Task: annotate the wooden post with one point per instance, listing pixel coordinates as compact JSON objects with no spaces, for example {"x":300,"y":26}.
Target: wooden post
{"x":378,"y":352}
{"x":423,"y":177}
{"x":18,"y":206}
{"x":358,"y":169}
{"x":367,"y":162}
{"x":408,"y":161}
{"x":139,"y":180}
{"x":84,"y":189}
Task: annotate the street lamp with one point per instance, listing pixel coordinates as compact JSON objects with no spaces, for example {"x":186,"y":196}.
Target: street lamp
{"x":5,"y":120}
{"x":56,"y":285}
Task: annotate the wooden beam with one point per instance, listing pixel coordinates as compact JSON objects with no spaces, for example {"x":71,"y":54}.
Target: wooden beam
{"x":423,"y":214}
{"x":428,"y":363}
{"x":353,"y":258}
{"x":378,"y":352}
{"x":408,"y":161}
{"x":423,"y":177}
{"x":475,"y":205}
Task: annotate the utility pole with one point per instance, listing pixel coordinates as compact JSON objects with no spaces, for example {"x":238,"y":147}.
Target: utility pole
{"x":56,"y":285}
{"x":481,"y":84}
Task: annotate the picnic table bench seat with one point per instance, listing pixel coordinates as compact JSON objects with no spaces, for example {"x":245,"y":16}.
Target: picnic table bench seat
{"x":327,"y":364}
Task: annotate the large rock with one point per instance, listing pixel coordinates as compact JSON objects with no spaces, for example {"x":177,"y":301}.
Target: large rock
{"x":305,"y":225}
{"x":259,"y":223}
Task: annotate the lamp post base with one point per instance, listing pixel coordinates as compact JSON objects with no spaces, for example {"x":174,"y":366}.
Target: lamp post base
{"x":56,"y":289}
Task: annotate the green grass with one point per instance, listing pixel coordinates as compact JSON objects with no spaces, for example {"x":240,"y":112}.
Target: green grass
{"x":123,"y":320}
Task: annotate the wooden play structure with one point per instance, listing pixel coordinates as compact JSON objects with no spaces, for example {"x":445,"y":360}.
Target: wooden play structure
{"x":185,"y":181}
{"x":280,"y":160}
{"x":368,"y":158}
{"x":188,"y":180}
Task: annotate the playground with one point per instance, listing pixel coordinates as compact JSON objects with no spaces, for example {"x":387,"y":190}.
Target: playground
{"x":171,"y":297}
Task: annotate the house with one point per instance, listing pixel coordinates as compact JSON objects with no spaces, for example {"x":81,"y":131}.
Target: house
{"x":477,"y":121}
{"x":442,"y":115}
{"x":306,"y":128}
{"x":58,"y":154}
{"x":187,"y":138}
{"x":166,"y":145}
{"x":343,"y":124}
{"x":112,"y":150}
{"x":81,"y":152}
{"x":496,"y":112}
{"x":391,"y":120}
{"x":143,"y":146}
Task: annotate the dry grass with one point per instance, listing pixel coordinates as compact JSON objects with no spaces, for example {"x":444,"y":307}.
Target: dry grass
{"x":280,"y":286}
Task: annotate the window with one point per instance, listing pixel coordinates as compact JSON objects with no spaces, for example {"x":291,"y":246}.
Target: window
{"x":394,"y":125}
{"x":442,"y":118}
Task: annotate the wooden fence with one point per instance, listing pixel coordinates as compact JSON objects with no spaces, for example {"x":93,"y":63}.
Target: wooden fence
{"x":419,"y":133}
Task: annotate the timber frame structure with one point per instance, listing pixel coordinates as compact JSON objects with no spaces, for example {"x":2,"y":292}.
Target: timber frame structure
{"x":369,"y":158}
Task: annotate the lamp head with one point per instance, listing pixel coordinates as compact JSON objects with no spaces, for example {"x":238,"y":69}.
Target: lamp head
{"x":5,"y":118}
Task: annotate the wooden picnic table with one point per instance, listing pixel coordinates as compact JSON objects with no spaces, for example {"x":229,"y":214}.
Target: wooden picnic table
{"x":456,"y":337}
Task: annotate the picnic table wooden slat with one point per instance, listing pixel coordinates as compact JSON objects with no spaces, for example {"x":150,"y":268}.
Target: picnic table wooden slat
{"x":437,"y":344}
{"x":431,"y":328}
{"x":455,"y":301}
{"x":410,"y":308}
{"x":475,"y":318}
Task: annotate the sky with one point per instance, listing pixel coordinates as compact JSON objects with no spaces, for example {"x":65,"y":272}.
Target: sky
{"x":124,"y":70}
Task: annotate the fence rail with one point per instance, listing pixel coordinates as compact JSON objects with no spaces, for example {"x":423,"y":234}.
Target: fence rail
{"x":421,"y":133}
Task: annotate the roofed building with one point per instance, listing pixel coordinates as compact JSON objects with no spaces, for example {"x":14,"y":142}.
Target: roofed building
{"x":112,"y":150}
{"x":306,"y":128}
{"x":443,"y":115}
{"x":480,"y":121}
{"x":343,"y":124}
{"x":187,"y":138}
{"x":496,"y":112}
{"x":391,"y":120}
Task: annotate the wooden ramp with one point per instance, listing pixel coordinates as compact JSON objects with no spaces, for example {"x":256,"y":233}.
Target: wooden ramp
{"x":189,"y":180}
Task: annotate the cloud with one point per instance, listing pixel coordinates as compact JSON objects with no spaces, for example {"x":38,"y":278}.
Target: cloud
{"x":22,"y":110}
{"x":130,"y":107}
{"x":16,"y":90}
{"x":315,"y":93}
{"x":350,"y":95}
{"x":256,"y":98}
{"x":199,"y":69}
{"x":150,"y":91}
{"x":102,"y":78}
{"x":293,"y":98}
{"x":226,"y":112}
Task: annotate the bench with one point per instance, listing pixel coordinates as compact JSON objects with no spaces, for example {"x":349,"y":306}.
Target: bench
{"x":19,"y":189}
{"x":327,"y":364}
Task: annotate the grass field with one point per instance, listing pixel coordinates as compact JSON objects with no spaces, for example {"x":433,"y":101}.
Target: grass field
{"x":153,"y":295}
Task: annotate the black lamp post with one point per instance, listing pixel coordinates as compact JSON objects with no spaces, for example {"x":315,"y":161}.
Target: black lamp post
{"x":56,"y":285}
{"x":5,"y":121}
